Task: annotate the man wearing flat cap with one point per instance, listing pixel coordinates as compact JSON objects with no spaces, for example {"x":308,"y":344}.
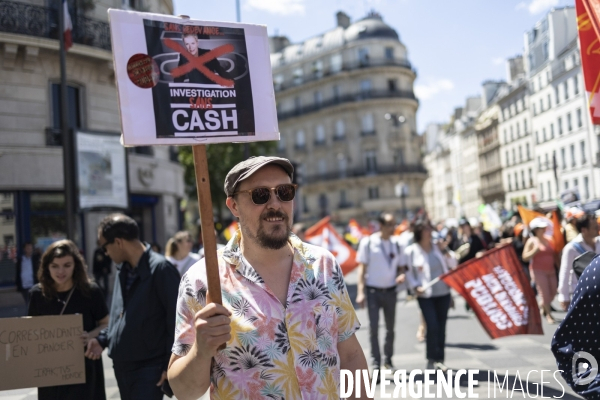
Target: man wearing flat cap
{"x":286,"y":318}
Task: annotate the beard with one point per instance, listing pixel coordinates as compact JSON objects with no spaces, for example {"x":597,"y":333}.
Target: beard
{"x":279,"y":235}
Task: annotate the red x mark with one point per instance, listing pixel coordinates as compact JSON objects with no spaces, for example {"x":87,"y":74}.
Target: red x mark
{"x":199,"y":62}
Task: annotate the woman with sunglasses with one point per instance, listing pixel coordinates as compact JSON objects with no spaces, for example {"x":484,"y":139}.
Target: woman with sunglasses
{"x":426,"y":262}
{"x":179,"y":252}
{"x":65,"y":288}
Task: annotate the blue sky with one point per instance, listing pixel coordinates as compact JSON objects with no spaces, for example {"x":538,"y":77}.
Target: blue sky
{"x":455,"y":45}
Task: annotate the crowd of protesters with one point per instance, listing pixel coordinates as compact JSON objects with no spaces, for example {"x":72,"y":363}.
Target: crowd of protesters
{"x":160,"y":318}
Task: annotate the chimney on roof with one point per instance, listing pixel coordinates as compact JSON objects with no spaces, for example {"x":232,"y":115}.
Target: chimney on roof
{"x":343,"y":19}
{"x":278,"y":43}
{"x":514,"y":68}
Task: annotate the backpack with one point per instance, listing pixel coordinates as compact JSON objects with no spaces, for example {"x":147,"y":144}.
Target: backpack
{"x":582,"y":260}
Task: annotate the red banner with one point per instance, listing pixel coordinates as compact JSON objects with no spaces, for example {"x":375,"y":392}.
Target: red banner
{"x":324,"y":235}
{"x":588,"y":24}
{"x":499,"y":293}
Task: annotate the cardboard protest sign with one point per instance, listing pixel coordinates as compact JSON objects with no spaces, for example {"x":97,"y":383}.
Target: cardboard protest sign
{"x":41,"y":351}
{"x":499,"y":293}
{"x":183,"y":81}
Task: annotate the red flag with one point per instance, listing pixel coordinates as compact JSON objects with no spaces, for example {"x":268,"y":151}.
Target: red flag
{"x":499,"y":293}
{"x":68,"y":27}
{"x":324,"y":235}
{"x":588,"y":24}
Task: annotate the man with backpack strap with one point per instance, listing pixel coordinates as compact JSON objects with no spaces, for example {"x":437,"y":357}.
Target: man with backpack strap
{"x":586,"y":240}
{"x":380,"y":269}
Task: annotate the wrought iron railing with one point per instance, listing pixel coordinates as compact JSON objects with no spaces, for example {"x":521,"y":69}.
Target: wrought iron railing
{"x":358,"y":172}
{"x":33,"y":20}
{"x":350,"y":97}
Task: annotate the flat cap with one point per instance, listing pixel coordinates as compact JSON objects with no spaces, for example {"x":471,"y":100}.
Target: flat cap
{"x":246,"y":168}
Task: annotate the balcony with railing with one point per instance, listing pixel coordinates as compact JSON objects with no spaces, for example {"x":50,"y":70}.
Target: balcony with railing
{"x":360,"y":95}
{"x":317,"y":74}
{"x":362,"y":171}
{"x":33,"y":20}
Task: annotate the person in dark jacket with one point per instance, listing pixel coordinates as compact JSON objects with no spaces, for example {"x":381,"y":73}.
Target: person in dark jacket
{"x":27,"y":265}
{"x":101,"y":266}
{"x":141,"y":327}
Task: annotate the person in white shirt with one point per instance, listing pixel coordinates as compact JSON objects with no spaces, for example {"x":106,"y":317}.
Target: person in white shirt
{"x":26,"y":269}
{"x":379,"y":272}
{"x":179,"y":252}
{"x":586,"y":240}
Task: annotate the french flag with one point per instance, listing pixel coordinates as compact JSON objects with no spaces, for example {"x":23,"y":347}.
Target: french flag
{"x":68,"y":26}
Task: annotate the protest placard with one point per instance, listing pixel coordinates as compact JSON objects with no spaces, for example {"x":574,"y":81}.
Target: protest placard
{"x":182,"y":81}
{"x":41,"y":351}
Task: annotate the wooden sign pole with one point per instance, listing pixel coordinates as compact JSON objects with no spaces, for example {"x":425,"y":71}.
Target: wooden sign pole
{"x":206,"y":219}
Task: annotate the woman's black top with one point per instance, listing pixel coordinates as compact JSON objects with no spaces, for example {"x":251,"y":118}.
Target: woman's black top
{"x":93,"y":308}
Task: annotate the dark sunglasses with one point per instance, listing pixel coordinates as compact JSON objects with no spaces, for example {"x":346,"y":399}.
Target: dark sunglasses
{"x":261,"y":195}
{"x":106,"y":244}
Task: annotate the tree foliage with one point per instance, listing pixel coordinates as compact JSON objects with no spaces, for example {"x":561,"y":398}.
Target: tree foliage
{"x":221,"y":158}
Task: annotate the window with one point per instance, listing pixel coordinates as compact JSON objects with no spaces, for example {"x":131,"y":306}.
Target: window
{"x":573,"y":161}
{"x":586,"y":187}
{"x":399,"y":157}
{"x":278,"y":82}
{"x":392,"y":85}
{"x":336,"y":92}
{"x":527,"y":151}
{"x":73,"y":106}
{"x":547,"y":162}
{"x":342,"y":165}
{"x":551,"y":131}
{"x":576,"y":85}
{"x":505,"y":137}
{"x":583,"y":159}
{"x":300,"y":140}
{"x":373,"y":192}
{"x":534,"y":110}
{"x":575,"y":183}
{"x":518,"y":130}
{"x":566,"y":185}
{"x":318,"y":98}
{"x":563,"y":156}
{"x":389,"y":53}
{"x":340,"y":129}
{"x":322,"y":166}
{"x":514,"y":157}
{"x":520,"y":154}
{"x":542,"y":192}
{"x":544,"y":134}
{"x":560,"y":127}
{"x":537,"y":137}
{"x":579,"y":119}
{"x":320,"y":134}
{"x":556,"y":95}
{"x":569,"y":123}
{"x":523,"y":179}
{"x":549,"y":189}
{"x":343,"y":200}
{"x":363,"y":56}
{"x":318,"y":69}
{"x":541,"y":105}
{"x":566,"y":90}
{"x":297,"y":103}
{"x":549,"y":102}
{"x":336,"y":63}
{"x":371,"y":161}
{"x":545,"y":53}
{"x":525,"y":126}
{"x":530,"y":177}
{"x":298,"y":76}
{"x":365,"y":87}
{"x":511,"y":134}
{"x":367,"y":124}
{"x":509,"y":182}
{"x":507,"y":158}
{"x":539,"y":163}
{"x":516,"y":181}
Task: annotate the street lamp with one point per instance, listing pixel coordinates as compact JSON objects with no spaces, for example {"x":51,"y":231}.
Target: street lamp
{"x":401,"y":190}
{"x":396,"y":119}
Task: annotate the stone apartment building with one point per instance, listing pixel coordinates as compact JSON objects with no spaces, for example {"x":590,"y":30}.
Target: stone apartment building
{"x":31,"y":177}
{"x":347,"y":117}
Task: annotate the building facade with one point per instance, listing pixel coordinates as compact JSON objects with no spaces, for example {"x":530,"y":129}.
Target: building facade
{"x":566,"y":143}
{"x":31,"y":181}
{"x":347,"y":117}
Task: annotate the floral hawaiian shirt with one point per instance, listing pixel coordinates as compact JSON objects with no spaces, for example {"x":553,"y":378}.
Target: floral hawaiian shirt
{"x":274,"y":352}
